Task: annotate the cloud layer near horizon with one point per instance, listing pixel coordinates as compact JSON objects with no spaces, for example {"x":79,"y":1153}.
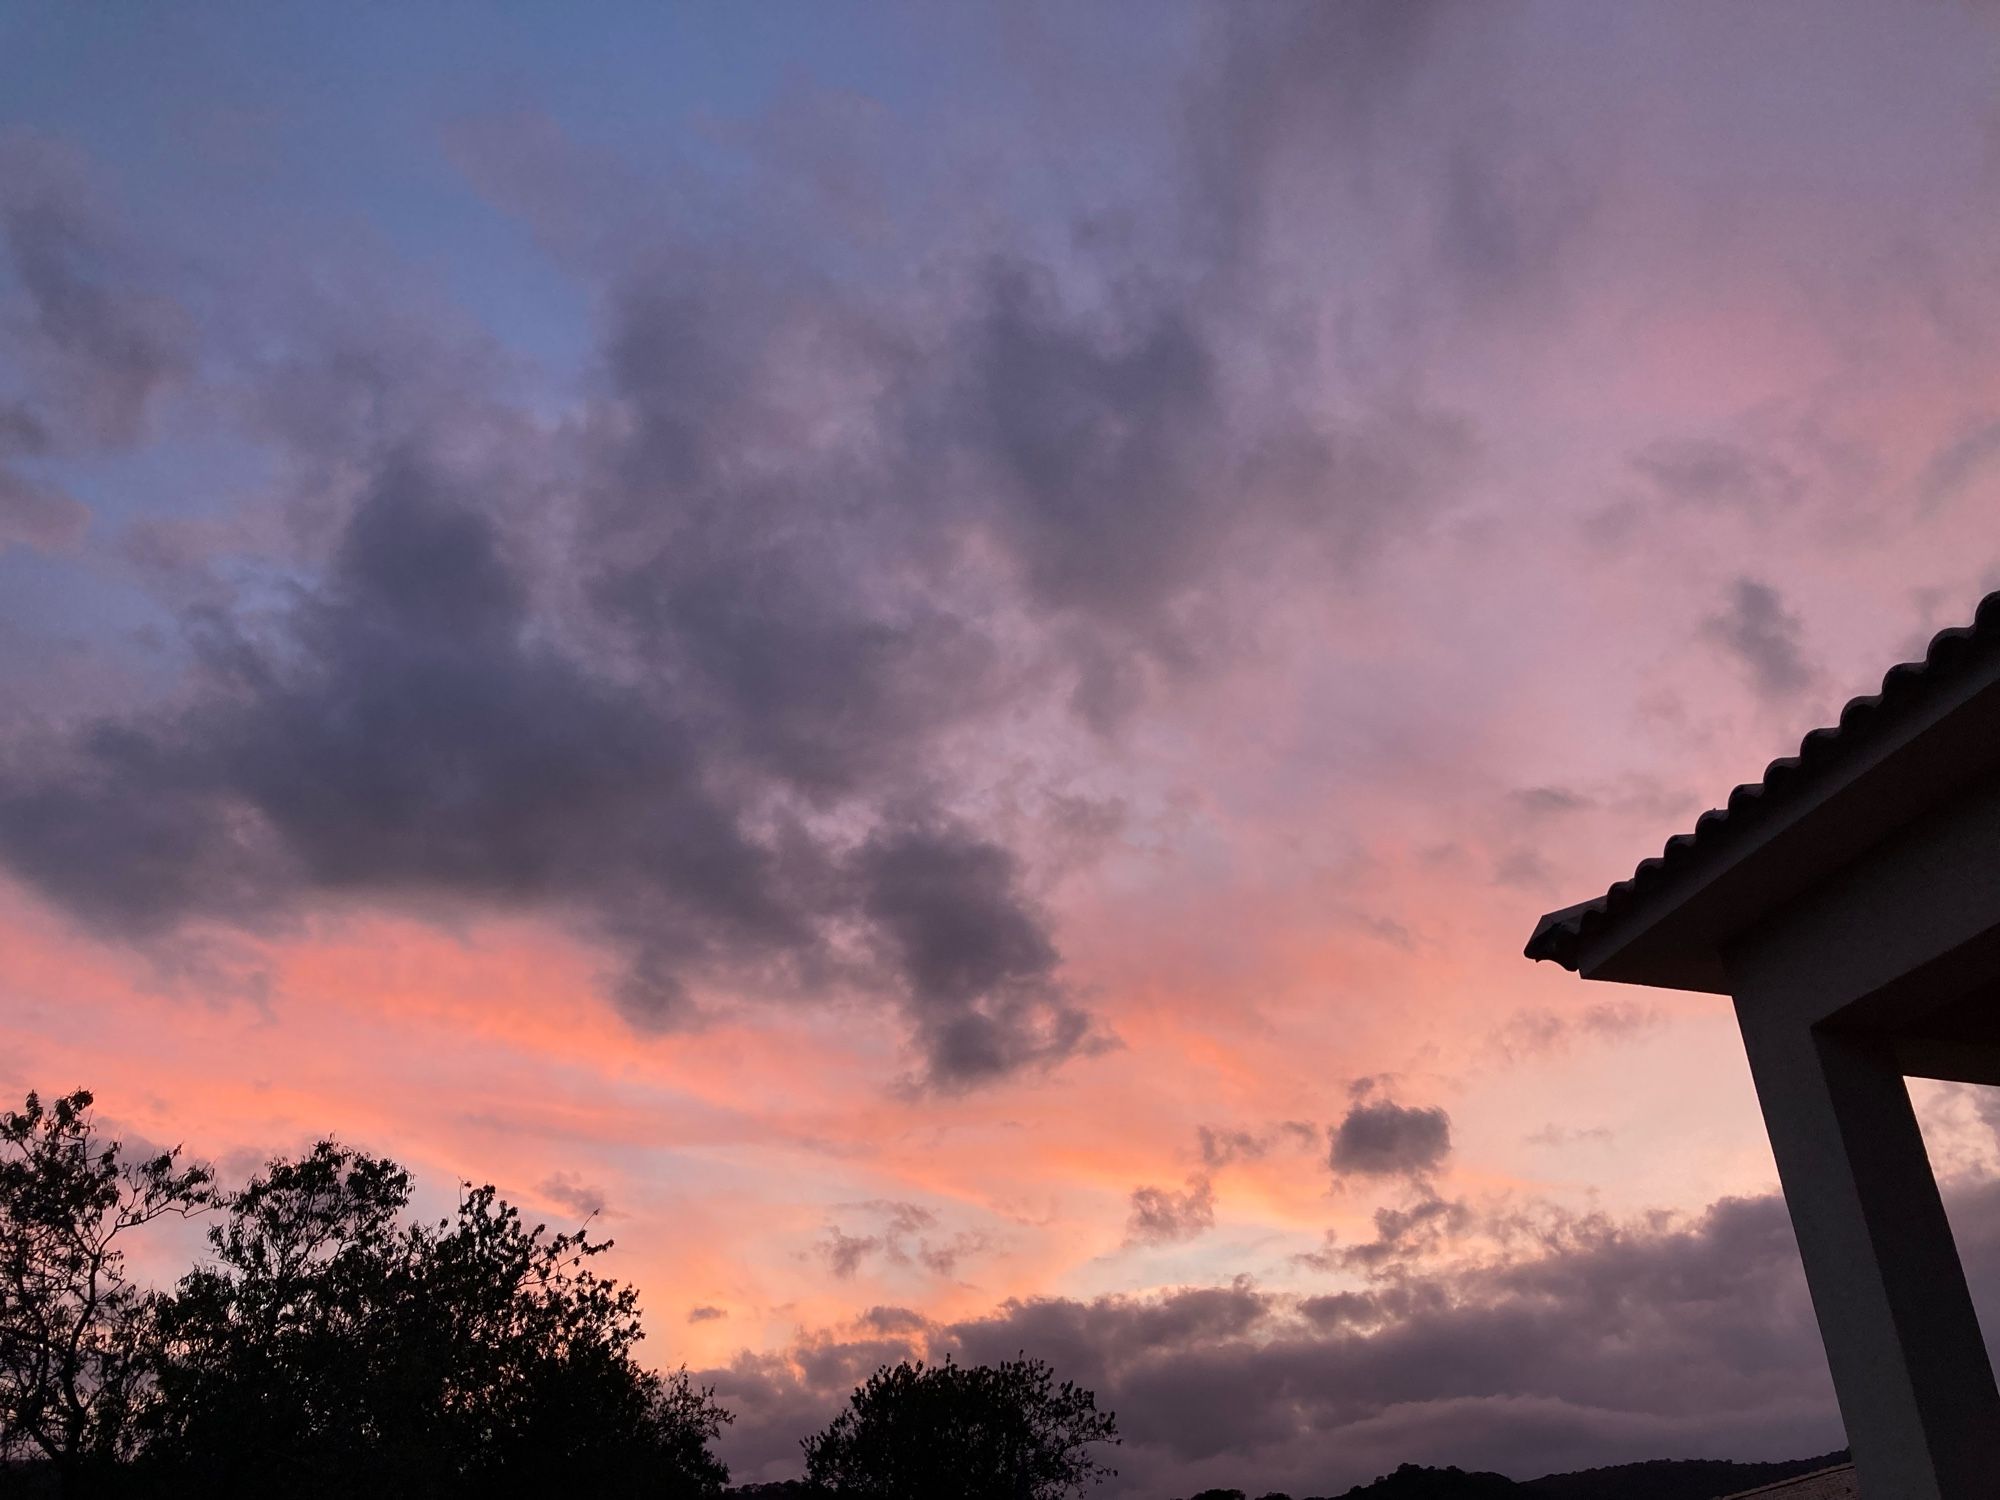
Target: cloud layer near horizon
{"x":1589,"y":1342}
{"x":941,"y":667}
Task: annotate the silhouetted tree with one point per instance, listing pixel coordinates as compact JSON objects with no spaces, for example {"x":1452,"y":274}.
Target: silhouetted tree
{"x":335,"y":1349}
{"x":981,"y":1432}
{"x":1416,"y":1482}
{"x":74,"y":1356}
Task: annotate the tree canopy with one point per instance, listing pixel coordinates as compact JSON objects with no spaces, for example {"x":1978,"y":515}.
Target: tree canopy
{"x":330,"y":1342}
{"x":341,"y":1348}
{"x":74,"y":1336}
{"x":983,"y":1432}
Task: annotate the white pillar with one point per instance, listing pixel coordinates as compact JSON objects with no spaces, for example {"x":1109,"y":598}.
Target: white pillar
{"x":1915,"y":1385}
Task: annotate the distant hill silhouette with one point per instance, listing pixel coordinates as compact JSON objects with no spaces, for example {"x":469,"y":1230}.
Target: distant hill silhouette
{"x":1411,"y":1482}
{"x":1674,"y":1478}
{"x":1655,"y":1479}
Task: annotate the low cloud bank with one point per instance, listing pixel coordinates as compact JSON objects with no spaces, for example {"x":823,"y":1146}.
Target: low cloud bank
{"x":1581,"y":1342}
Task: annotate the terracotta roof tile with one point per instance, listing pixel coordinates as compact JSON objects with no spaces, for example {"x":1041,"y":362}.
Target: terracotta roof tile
{"x":1822,"y":1484}
{"x":1787,"y":780}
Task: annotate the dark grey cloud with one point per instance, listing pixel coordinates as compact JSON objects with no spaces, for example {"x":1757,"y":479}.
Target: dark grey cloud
{"x":1986,"y":1103}
{"x":1165,"y":1216}
{"x":978,"y":960}
{"x":844,"y":1253}
{"x":1137,"y":480}
{"x":1403,"y":1236}
{"x":1524,"y":870}
{"x":699,"y":668}
{"x":88,"y":348}
{"x":404,"y":734}
{"x":779,"y":1398}
{"x":411,"y":729}
{"x":97,"y":343}
{"x":1586,"y":1342}
{"x":902,"y":1235}
{"x":1764,"y":637}
{"x":1510,"y":206}
{"x":1220,"y":1147}
{"x":1958,"y":463}
{"x":1107,"y":418}
{"x":1305,"y":86}
{"x":1096,"y":439}
{"x":706,"y":1314}
{"x":1547,"y":1033}
{"x":573,"y":1193}
{"x":37,"y":515}
{"x":1553,"y":1134}
{"x":892,"y":1320}
{"x":1311,"y":117}
{"x":1378,"y":1137}
{"x":943,"y":1258}
{"x":1549,"y":801}
{"x":788,"y":595}
{"x":1638,"y":795}
{"x":1717,"y":473}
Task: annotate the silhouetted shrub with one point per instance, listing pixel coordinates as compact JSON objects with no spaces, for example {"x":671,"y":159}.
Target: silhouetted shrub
{"x":1414,"y":1482}
{"x":979,"y":1432}
{"x":75,"y":1351}
{"x":335,"y":1349}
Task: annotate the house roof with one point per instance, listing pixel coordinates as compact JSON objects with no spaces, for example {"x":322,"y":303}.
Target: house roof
{"x":1837,"y":1483}
{"x":1934,"y":725}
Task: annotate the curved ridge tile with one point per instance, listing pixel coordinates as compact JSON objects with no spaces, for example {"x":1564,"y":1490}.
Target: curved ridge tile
{"x":1903,"y":685}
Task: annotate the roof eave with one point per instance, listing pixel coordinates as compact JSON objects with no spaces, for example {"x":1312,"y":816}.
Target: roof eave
{"x":1934,"y":726}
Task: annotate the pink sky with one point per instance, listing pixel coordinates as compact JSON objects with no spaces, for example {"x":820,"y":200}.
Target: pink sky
{"x":926,"y":665}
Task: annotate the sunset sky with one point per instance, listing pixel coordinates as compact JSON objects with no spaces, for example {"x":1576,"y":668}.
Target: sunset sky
{"x":937,"y":657}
